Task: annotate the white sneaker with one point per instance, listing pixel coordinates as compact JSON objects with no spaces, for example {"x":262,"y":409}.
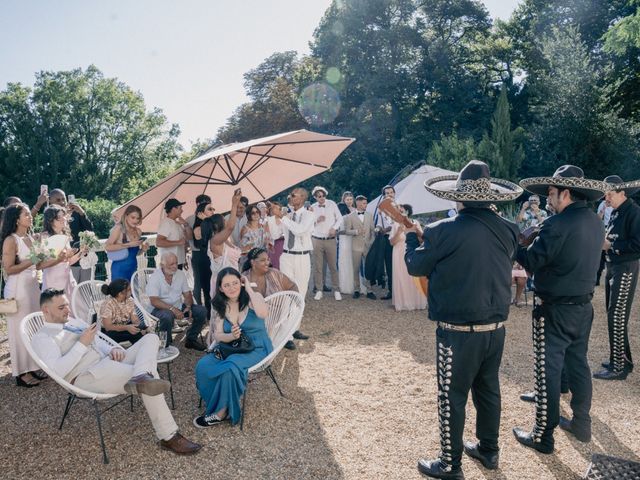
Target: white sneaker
{"x":337,"y":295}
{"x":318,"y":295}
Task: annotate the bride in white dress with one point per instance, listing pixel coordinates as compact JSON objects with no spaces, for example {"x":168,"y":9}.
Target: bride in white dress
{"x":345,"y":266}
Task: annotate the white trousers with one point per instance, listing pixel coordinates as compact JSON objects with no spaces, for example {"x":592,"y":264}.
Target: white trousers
{"x":298,"y":269}
{"x":109,"y":376}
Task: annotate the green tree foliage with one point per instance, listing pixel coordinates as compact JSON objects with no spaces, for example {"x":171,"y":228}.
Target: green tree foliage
{"x":82,"y":132}
{"x":452,"y":152}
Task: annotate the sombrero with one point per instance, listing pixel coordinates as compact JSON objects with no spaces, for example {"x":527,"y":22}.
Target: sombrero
{"x":567,"y":176}
{"x":614,"y":182}
{"x":473,"y":185}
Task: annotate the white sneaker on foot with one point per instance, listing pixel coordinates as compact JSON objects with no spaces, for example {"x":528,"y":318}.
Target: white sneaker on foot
{"x":318,"y":295}
{"x":337,"y":295}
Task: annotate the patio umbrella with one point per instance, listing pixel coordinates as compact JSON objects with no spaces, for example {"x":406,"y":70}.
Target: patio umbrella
{"x":411,"y":190}
{"x":262,"y":168}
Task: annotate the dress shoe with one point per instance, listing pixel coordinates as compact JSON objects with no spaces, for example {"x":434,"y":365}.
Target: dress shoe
{"x":489,"y":460}
{"x":371,"y":296}
{"x":607,"y":365}
{"x":355,"y":295}
{"x":318,"y":295}
{"x":567,"y":425}
{"x":607,"y":374}
{"x":436,"y":469}
{"x":146,"y":384}
{"x":337,"y":295}
{"x":528,"y":397}
{"x":180,"y":445}
{"x":195,"y":345}
{"x":29,"y":383}
{"x":326,"y":289}
{"x":388,"y":296}
{"x":526,"y":439}
{"x":290,"y":345}
{"x":298,"y":335}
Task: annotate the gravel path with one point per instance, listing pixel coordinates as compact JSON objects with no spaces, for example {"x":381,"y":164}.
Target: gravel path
{"x":361,"y":404}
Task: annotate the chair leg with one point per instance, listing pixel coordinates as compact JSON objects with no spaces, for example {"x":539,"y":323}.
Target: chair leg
{"x":131,"y":402}
{"x":96,"y":409}
{"x":67,"y":407}
{"x":273,"y":377}
{"x":173,"y":403}
{"x":244,"y":399}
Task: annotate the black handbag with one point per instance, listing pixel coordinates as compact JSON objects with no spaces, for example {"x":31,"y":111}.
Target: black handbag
{"x":243,"y":344}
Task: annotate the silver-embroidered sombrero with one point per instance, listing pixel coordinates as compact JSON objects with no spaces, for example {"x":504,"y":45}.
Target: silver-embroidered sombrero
{"x":615,"y":183}
{"x":473,"y":185}
{"x":569,"y":177}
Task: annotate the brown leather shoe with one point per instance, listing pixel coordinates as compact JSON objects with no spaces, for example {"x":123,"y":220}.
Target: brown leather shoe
{"x":146,"y":384}
{"x":180,"y":445}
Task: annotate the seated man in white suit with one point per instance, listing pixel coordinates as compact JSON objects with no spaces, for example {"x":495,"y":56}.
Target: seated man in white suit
{"x":72,"y":350}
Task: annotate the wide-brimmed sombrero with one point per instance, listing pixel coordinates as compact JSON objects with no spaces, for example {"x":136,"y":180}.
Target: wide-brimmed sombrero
{"x":614,"y":182}
{"x":567,"y":176}
{"x":473,"y":185}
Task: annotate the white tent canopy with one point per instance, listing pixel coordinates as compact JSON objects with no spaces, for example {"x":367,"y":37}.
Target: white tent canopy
{"x":410,"y":190}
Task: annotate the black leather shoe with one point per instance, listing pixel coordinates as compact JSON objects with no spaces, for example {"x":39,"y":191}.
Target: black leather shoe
{"x":386,"y":297}
{"x":608,"y":366}
{"x":528,"y":397}
{"x":526,"y":439}
{"x":355,"y":295}
{"x":326,"y":289}
{"x":371,"y":296}
{"x":290,"y":345}
{"x":195,"y":345}
{"x":436,"y":469}
{"x":298,"y":335}
{"x":607,"y":374}
{"x":488,"y":460}
{"x":582,"y":435}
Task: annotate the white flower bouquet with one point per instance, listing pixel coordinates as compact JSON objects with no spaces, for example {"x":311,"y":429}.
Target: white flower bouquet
{"x":89,"y":241}
{"x":39,"y":251}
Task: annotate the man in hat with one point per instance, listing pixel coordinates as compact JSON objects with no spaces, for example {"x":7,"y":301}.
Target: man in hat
{"x":563,"y":259}
{"x":327,"y":222}
{"x":475,"y":244}
{"x":174,"y":232}
{"x":622,"y":250}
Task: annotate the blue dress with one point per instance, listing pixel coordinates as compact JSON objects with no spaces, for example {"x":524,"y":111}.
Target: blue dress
{"x":127,"y":267}
{"x":221,"y":383}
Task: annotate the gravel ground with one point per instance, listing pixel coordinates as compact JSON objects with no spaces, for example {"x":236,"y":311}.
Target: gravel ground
{"x":360,"y":404}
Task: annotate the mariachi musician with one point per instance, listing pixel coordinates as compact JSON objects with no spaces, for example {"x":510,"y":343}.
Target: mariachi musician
{"x":468,"y":260}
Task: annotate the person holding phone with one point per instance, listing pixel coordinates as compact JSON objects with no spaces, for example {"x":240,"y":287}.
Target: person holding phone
{"x":126,"y":235}
{"x":118,"y":316}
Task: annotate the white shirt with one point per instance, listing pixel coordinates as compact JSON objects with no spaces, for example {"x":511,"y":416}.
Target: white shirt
{"x":241,"y":222}
{"x":383,"y":221}
{"x":301,"y":228}
{"x":157,"y":286}
{"x":63,"y":353}
{"x":276,"y":230}
{"x":607,"y":212}
{"x":332,"y":218}
{"x":173,"y":231}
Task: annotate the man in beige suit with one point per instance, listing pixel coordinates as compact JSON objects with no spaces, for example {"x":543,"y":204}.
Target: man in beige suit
{"x":360,"y":225}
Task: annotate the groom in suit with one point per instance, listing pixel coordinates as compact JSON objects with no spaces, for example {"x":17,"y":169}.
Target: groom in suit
{"x":360,"y":225}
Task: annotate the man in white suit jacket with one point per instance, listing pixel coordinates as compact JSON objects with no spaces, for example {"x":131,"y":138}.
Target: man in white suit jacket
{"x":360,"y":225}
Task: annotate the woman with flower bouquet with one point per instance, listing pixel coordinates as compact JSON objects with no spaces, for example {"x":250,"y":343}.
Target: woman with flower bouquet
{"x":56,"y":272}
{"x":21,"y":256}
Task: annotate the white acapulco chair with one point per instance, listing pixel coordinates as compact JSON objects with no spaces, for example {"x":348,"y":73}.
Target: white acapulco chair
{"x":86,"y":299}
{"x":29,"y":326}
{"x":285,"y":314}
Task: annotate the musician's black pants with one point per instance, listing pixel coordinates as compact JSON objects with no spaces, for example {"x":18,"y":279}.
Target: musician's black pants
{"x":468,"y":361}
{"x":560,"y":339}
{"x":620,"y":288}
{"x":388,"y":262}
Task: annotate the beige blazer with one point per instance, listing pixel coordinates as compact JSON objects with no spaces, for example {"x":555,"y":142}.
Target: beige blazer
{"x":362,"y":233}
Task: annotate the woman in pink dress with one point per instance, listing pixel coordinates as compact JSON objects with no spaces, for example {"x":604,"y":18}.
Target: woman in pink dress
{"x":21,"y":284}
{"x":275,"y":234}
{"x":56,"y":273}
{"x":406,"y":295}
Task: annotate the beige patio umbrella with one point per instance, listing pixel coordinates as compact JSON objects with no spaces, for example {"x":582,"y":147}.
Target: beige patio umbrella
{"x":262,"y":168}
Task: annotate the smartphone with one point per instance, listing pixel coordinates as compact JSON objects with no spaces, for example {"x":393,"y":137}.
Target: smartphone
{"x":236,"y":191}
{"x":44,"y":190}
{"x":72,"y":198}
{"x":143,"y":239}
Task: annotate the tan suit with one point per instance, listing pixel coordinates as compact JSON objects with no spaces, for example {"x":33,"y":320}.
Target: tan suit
{"x":361,"y":229}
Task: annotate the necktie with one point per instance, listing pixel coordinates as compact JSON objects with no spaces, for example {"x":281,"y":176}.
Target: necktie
{"x":291,"y":240}
{"x":321,"y":206}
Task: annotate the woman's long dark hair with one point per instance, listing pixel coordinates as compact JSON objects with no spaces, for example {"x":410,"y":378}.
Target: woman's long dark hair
{"x":210,"y":226}
{"x":10,"y":220}
{"x":252,"y":255}
{"x":50,"y":214}
{"x":114,"y":288}
{"x":219,"y":301}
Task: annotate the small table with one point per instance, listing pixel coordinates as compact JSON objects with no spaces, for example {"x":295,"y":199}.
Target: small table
{"x":167,"y":356}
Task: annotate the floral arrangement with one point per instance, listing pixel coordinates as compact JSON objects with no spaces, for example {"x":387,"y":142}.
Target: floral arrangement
{"x":39,"y":251}
{"x":89,"y":241}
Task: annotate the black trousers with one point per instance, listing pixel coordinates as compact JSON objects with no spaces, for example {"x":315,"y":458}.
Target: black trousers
{"x":468,"y":361}
{"x":560,"y":340}
{"x":603,"y":261}
{"x":201,"y":279}
{"x":388,"y":262}
{"x":620,"y":288}
{"x":122,"y":336}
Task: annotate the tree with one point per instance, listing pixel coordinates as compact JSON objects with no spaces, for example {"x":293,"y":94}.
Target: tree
{"x":452,"y":152}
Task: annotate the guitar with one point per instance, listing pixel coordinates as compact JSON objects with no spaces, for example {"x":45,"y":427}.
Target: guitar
{"x":389,"y":207}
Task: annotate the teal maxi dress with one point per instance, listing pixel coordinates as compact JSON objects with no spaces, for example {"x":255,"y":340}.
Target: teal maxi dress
{"x":221,"y":383}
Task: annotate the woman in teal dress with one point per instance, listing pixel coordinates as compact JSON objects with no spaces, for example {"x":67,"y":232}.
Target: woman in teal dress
{"x":221,"y":383}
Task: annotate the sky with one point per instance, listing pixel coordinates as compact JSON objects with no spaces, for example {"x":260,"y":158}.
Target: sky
{"x":186,"y":58}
